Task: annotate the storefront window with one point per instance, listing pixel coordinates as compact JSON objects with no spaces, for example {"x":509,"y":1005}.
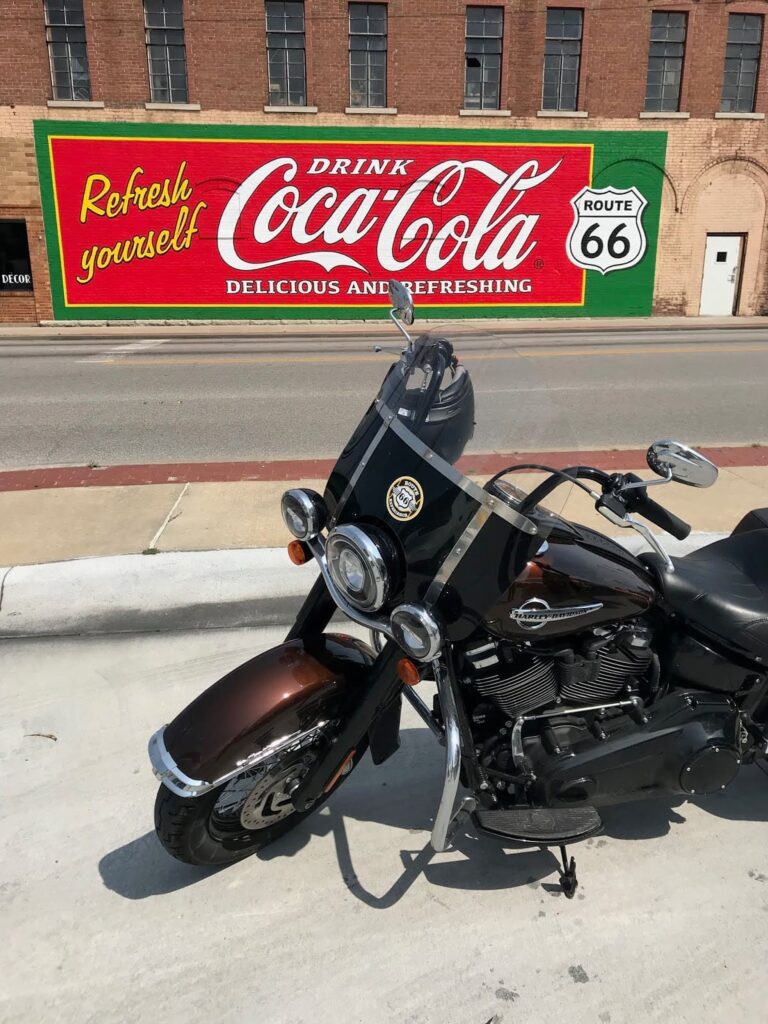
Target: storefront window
{"x":15,"y":270}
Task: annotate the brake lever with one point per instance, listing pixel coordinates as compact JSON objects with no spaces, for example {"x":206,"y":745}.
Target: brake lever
{"x":612,"y":508}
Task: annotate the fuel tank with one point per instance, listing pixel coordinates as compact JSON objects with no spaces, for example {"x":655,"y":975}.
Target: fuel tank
{"x":577,"y":579}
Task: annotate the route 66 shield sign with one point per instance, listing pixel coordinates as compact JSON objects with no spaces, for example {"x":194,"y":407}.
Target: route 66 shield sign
{"x":607,"y":233}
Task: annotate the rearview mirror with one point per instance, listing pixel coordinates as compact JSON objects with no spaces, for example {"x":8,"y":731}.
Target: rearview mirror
{"x":681,"y":463}
{"x":401,"y":301}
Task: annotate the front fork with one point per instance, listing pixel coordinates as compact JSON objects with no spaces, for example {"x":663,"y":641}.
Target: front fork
{"x":383,"y":686}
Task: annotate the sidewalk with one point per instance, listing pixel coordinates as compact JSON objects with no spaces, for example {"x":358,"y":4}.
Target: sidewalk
{"x":216,"y":506}
{"x":377,"y":324}
{"x":203,"y":545}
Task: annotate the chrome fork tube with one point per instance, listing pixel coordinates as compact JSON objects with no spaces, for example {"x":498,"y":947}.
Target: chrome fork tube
{"x":445,"y":813}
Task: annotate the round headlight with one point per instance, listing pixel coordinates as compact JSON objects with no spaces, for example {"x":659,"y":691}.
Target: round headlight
{"x":304,"y":513}
{"x":417,"y":631}
{"x":361,"y":565}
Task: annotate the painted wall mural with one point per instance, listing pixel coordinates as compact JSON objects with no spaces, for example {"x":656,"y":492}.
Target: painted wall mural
{"x":178,"y":221}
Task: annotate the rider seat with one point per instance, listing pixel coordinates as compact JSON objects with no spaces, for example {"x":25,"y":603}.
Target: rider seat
{"x":723,"y":589}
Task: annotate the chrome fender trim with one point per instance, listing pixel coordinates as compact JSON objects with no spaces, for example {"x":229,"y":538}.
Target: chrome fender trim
{"x":173,"y":778}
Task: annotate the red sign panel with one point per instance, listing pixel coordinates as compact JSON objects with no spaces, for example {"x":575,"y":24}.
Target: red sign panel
{"x":273,"y":223}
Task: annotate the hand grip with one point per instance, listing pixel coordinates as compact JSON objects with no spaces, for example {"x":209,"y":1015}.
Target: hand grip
{"x":663,"y":518}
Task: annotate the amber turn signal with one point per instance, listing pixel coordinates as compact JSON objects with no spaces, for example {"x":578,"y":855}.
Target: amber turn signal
{"x":408,"y":672}
{"x":344,"y":767}
{"x":297,"y":553}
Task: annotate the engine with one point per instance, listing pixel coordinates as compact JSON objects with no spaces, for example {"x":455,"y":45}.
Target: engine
{"x":604,"y":664}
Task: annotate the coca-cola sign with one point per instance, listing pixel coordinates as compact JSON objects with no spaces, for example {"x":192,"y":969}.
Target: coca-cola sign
{"x":218,"y":222}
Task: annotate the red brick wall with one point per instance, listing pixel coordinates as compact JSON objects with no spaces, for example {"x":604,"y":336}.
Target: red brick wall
{"x":226,"y":50}
{"x":25,"y":75}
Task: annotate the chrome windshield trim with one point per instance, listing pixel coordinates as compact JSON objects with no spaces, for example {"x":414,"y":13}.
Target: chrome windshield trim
{"x":454,"y":475}
{"x":455,"y":555}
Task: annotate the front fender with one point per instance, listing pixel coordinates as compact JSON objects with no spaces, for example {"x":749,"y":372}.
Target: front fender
{"x":275,"y":698}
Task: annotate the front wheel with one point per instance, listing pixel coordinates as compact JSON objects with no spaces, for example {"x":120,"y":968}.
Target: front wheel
{"x":238,"y":818}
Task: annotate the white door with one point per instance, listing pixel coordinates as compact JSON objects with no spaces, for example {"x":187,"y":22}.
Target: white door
{"x":722,"y":270}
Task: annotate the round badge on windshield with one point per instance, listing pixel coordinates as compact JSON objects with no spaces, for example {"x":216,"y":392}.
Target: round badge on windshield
{"x":404,"y":498}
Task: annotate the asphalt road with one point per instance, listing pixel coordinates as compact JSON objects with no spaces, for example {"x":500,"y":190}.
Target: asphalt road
{"x":219,"y":398}
{"x":351,"y":919}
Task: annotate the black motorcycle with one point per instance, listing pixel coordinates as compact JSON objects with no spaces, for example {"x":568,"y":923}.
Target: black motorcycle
{"x":570,"y":674}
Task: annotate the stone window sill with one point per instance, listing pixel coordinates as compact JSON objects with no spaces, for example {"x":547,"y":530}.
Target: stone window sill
{"x":562,"y":113}
{"x":77,"y":104}
{"x":172,"y":106}
{"x":370,"y":110}
{"x":466,"y":112}
{"x":289,"y":110}
{"x":733,"y":115}
{"x":664,"y":115}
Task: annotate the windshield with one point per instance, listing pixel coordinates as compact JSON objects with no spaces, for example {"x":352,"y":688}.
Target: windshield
{"x":408,"y":468}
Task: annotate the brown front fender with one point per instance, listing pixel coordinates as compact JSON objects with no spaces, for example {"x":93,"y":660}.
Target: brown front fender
{"x":281,"y":693}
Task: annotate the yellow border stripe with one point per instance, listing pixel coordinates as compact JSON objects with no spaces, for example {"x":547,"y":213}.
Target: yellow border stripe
{"x":296,"y":305}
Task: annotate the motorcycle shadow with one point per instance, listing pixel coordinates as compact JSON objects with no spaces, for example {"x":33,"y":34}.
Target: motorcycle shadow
{"x":403,"y":794}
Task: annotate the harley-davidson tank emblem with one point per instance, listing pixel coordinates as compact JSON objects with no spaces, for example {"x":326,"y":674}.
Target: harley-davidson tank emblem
{"x":536,"y":613}
{"x":405,"y":498}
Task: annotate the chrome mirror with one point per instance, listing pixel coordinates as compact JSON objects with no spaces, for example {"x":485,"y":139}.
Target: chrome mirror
{"x":402,"y":302}
{"x":402,"y":308}
{"x":678,"y":462}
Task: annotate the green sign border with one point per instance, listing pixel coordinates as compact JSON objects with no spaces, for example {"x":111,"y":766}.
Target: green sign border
{"x":621,"y":159}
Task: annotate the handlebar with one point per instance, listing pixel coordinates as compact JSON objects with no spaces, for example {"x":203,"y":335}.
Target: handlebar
{"x":633,"y":500}
{"x":664,"y":519}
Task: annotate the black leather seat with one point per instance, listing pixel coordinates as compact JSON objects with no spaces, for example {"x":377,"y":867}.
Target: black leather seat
{"x":722,"y":588}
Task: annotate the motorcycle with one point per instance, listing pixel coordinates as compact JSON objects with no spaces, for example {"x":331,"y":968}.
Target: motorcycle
{"x":570,"y":674}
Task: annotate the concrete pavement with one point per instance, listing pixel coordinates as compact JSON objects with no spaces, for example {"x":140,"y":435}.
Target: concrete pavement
{"x":351,"y":919}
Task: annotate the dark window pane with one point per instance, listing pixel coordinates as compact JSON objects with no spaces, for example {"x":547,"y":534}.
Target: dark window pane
{"x":665,"y":60}
{"x":742,"y":62}
{"x":166,"y":52}
{"x":367,"y":55}
{"x":15,"y":269}
{"x":562,"y":58}
{"x":65,"y":32}
{"x":482,"y":76}
{"x":286,"y":60}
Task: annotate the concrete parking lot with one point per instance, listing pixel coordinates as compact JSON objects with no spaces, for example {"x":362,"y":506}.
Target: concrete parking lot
{"x":352,"y":918}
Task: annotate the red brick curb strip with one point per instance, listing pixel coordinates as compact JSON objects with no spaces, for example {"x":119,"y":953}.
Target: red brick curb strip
{"x":318,"y":469}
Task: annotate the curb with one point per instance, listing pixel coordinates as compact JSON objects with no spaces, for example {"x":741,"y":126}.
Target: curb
{"x":315,"y":328}
{"x":174,"y":591}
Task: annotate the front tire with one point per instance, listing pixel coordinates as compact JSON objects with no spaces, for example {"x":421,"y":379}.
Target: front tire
{"x":236,"y":819}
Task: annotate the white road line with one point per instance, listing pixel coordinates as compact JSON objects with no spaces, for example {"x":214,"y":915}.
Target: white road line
{"x":168,"y":518}
{"x":105,"y":355}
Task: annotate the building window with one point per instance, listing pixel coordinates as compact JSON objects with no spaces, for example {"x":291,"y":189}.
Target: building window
{"x":665,"y":60}
{"x":368,"y":55}
{"x":15,"y":271}
{"x":65,"y":32}
{"x":562,"y":58}
{"x":286,"y":54}
{"x":482,"y":78}
{"x":742,"y":61}
{"x":166,"y":53}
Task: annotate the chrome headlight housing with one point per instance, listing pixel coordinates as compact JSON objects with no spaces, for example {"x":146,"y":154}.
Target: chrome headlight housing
{"x":361,"y":564}
{"x":304,"y":513}
{"x":417,"y":631}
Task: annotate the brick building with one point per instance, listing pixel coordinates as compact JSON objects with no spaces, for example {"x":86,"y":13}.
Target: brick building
{"x":519,"y":73}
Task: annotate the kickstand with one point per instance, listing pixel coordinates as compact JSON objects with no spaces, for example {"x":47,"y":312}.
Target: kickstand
{"x":569,"y":883}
